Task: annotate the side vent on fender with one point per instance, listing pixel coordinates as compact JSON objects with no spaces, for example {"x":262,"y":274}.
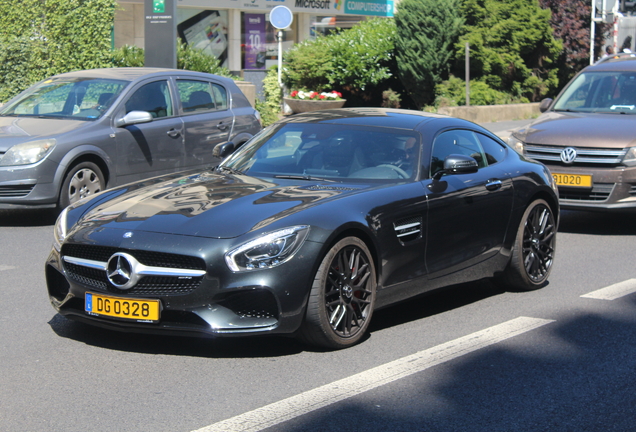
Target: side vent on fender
{"x":408,"y":229}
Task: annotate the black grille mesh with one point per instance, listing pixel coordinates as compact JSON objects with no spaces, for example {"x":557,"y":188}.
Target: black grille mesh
{"x":257,"y":303}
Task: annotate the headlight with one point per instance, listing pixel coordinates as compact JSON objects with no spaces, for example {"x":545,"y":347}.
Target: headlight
{"x":516,"y":144}
{"x":59,"y":232}
{"x":28,"y":152}
{"x":269,"y":250}
{"x":630,"y":157}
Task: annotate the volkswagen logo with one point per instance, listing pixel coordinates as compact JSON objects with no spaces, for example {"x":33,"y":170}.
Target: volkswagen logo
{"x":121,"y":270}
{"x":568,"y":155}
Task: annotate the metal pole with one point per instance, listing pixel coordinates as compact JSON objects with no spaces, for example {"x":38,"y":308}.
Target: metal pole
{"x":280,"y":57}
{"x":467,"y":74}
{"x":592,"y":29}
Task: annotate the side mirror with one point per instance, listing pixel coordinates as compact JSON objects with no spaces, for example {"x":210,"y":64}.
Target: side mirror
{"x":545,"y":104}
{"x":223,"y":150}
{"x":134,"y":117}
{"x":457,"y":164}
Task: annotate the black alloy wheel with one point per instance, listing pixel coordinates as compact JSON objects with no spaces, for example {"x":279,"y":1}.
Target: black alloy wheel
{"x":342,"y":296}
{"x":533,"y":253}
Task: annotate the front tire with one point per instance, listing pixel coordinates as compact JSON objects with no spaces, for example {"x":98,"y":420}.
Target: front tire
{"x":534,"y":248}
{"x":83,"y":180}
{"x":342,"y":297}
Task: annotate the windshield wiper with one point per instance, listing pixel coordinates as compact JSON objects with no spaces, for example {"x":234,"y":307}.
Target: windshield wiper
{"x":228,"y":169}
{"x":301,"y":177}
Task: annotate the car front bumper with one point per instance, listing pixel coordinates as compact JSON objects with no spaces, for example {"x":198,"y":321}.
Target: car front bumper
{"x":28,"y":186}
{"x":220,"y":303}
{"x":612,"y":188}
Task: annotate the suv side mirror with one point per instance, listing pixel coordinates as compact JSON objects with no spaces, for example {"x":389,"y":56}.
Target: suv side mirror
{"x":545,"y":104}
{"x":223,"y":150}
{"x":134,"y":117}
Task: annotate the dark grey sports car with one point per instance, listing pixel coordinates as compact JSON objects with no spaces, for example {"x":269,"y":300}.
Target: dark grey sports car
{"x":307,"y":228}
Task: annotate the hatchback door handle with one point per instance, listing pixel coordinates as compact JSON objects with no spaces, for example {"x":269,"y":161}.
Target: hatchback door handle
{"x":174,"y":133}
{"x":493,"y":184}
{"x":221,"y":126}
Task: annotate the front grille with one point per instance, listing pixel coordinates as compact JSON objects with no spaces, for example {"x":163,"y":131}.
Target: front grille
{"x":632,"y":191}
{"x":15,"y":191}
{"x":599,"y":192}
{"x":156,"y":259}
{"x":256,"y":303}
{"x":584,"y":156}
{"x":147,"y":285}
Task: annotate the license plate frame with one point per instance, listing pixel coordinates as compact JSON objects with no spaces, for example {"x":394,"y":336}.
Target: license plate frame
{"x":579,"y":181}
{"x":122,"y":308}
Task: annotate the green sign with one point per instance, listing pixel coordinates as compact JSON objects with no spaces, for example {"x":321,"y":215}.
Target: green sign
{"x":158,"y":6}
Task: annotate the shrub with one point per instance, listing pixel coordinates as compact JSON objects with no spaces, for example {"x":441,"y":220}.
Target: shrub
{"x":453,"y":93}
{"x":270,"y":107}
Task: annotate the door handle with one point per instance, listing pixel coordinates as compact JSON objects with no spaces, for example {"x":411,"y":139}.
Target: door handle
{"x":221,"y":126}
{"x":173,"y":133}
{"x":493,"y":184}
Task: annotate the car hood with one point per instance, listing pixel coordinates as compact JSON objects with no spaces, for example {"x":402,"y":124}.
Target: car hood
{"x":581,"y":130}
{"x":16,"y":130}
{"x":209,"y":205}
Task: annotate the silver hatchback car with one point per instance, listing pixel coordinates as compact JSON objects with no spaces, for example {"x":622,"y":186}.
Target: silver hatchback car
{"x":78,"y":133}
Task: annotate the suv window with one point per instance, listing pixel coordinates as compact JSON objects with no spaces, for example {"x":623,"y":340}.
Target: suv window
{"x":600,"y":92}
{"x":153,"y":98}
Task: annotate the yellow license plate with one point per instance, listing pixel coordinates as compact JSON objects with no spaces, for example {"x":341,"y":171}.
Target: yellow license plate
{"x":118,"y":307}
{"x":573,"y":180}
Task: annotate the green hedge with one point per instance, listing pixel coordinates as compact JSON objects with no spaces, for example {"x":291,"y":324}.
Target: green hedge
{"x":41,"y":38}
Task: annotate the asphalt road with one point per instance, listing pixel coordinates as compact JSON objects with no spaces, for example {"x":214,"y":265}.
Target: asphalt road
{"x":467,"y":358}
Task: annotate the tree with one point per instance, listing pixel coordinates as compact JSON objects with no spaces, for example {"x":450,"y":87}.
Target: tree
{"x":571,"y":24}
{"x":512,"y":47}
{"x":427,"y":31}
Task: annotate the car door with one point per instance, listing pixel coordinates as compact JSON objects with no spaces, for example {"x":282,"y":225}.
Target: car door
{"x":154,"y":148}
{"x":468,"y":214}
{"x":207,"y":119}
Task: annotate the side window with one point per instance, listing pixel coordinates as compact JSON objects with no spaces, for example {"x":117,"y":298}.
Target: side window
{"x":153,"y":98}
{"x":461,"y":142}
{"x":494,"y":151}
{"x":195,"y":96}
{"x":220,"y":96}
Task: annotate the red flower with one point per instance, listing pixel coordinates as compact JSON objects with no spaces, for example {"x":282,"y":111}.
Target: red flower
{"x":322,"y":96}
{"x":294,"y":93}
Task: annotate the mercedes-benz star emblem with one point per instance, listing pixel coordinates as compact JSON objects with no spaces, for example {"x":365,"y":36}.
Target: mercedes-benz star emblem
{"x":121,"y":270}
{"x":568,"y":155}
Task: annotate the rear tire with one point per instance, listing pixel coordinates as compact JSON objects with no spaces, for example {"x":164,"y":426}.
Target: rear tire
{"x":83,"y":180}
{"x":533,"y":251}
{"x":342,"y":297}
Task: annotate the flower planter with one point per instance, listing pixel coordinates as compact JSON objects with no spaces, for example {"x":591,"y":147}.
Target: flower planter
{"x":300,"y":105}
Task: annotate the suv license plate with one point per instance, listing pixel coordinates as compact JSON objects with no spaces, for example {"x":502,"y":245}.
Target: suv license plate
{"x":573,"y":180}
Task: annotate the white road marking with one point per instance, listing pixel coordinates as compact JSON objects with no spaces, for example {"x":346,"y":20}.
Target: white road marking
{"x":6,"y":267}
{"x":295,"y":406}
{"x":613,"y":292}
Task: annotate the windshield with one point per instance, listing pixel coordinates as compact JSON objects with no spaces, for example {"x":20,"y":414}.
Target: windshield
{"x":330,"y":152}
{"x":608,"y":92}
{"x":77,"y":98}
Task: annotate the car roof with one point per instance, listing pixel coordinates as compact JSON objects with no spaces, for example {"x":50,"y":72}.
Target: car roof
{"x":133,"y":73}
{"x":619,"y":62}
{"x":380,"y":117}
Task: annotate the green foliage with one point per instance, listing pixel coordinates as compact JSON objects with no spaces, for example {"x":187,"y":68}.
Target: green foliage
{"x":427,"y":31}
{"x":44,"y":38}
{"x":453,"y":93}
{"x":354,"y":60}
{"x":193,"y":59}
{"x":269,"y":108}
{"x":128,"y":56}
{"x":187,"y":58}
{"x":512,"y":47}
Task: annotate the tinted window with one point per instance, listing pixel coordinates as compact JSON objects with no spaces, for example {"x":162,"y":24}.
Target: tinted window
{"x":153,"y":98}
{"x":220,"y":96}
{"x":494,"y":151}
{"x":461,"y":142}
{"x":195,"y":96}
